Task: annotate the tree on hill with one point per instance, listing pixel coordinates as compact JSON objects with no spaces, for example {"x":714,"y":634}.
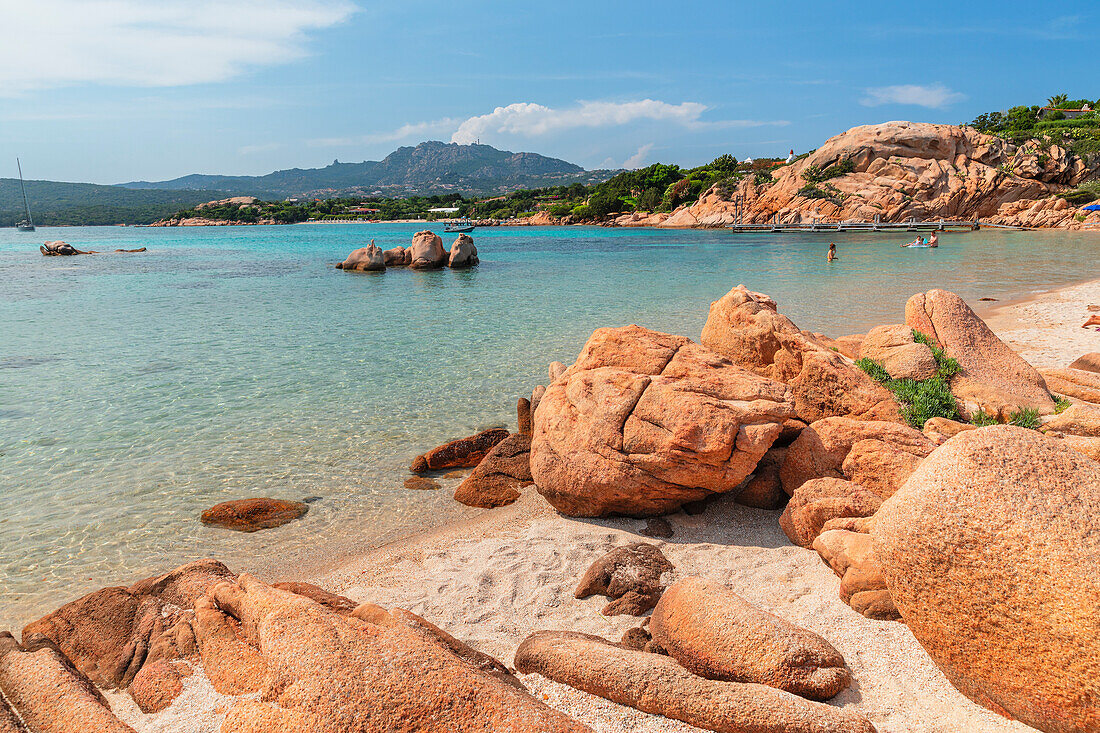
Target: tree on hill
{"x":1057,"y":99}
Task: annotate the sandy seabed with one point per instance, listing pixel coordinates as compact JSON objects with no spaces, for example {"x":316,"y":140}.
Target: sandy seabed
{"x":494,"y":579}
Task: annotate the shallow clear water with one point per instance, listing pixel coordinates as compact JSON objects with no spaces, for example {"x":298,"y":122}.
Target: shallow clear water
{"x":138,"y":389}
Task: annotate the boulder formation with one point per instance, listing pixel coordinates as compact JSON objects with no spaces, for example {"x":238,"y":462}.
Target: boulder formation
{"x":820,"y":499}
{"x":1079,"y":384}
{"x":992,"y":377}
{"x":851,"y":555}
{"x":902,"y":170}
{"x":1089,"y":362}
{"x":746,"y":328}
{"x":364,"y":259}
{"x":498,"y":478}
{"x":426,"y":252}
{"x":657,"y":684}
{"x":1081,"y":420}
{"x":463,"y":252}
{"x":395,"y":257}
{"x":252,"y":515}
{"x":715,"y":633}
{"x":991,"y":552}
{"x":643,"y":422}
{"x":887,"y":453}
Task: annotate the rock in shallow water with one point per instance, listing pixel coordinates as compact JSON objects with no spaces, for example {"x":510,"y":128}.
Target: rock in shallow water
{"x":499,"y":476}
{"x":461,"y":453}
{"x":717,"y":634}
{"x":991,"y":551}
{"x":252,"y":515}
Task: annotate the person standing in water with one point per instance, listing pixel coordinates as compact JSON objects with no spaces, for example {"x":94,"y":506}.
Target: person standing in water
{"x":934,"y":241}
{"x":832,"y":251}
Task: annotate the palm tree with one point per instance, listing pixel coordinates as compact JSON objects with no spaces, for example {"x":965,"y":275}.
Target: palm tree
{"x":1057,"y":99}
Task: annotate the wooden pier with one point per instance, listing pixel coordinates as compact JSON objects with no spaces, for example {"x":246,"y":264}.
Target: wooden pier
{"x":942,"y":225}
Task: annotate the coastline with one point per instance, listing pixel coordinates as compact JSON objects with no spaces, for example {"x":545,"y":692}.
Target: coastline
{"x":1045,"y":328}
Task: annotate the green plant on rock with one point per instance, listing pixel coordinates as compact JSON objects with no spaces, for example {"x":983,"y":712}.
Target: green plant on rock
{"x":946,"y":366}
{"x":983,"y":419}
{"x":920,"y":399}
{"x":763,"y":178}
{"x":1025,"y":417}
{"x":1061,"y":405}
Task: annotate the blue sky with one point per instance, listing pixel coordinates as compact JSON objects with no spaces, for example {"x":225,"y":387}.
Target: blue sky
{"x":117,"y":90}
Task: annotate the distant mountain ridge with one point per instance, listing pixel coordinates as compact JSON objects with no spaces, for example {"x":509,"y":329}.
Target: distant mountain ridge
{"x":429,"y":168}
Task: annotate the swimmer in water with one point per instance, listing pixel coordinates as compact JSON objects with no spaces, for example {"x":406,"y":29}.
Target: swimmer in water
{"x":832,"y":251}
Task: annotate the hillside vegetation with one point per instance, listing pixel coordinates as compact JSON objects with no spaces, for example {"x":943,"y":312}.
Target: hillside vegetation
{"x":53,"y":203}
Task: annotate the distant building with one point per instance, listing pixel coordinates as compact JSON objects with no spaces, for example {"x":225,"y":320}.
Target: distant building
{"x":444,"y":210}
{"x":362,"y":210}
{"x":1069,"y":113}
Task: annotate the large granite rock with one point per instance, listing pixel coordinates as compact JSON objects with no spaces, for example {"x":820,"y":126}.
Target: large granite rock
{"x":426,"y":252}
{"x":644,"y":421}
{"x":991,"y":552}
{"x":656,"y":684}
{"x":396,"y":257}
{"x":1080,"y":384}
{"x":252,"y":515}
{"x":992,"y":377}
{"x":463,"y":252}
{"x":717,"y":634}
{"x":402,"y":680}
{"x":822,"y":450}
{"x":1082,"y":420}
{"x":1089,"y":362}
{"x":744,"y":327}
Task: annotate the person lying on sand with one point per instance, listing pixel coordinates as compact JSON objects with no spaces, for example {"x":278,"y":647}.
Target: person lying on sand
{"x":1092,"y":321}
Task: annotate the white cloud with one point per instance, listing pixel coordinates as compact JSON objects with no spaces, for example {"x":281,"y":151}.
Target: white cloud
{"x":528,"y":119}
{"x":934,"y":96}
{"x":55,"y":43}
{"x":638,"y":159}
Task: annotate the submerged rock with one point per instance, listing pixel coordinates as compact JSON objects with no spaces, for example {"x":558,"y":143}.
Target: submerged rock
{"x":252,"y":515}
{"x":461,"y":453}
{"x":644,"y":422}
{"x":717,"y":634}
{"x":991,"y":551}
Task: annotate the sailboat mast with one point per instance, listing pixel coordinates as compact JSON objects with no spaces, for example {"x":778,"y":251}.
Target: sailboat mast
{"x":26,"y":206}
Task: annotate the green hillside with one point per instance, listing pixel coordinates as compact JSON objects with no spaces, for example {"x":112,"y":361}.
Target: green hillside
{"x":54,"y":203}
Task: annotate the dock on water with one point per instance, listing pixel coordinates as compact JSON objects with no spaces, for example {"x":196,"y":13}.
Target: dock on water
{"x":912,"y":225}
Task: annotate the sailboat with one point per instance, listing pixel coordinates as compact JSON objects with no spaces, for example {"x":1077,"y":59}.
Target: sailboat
{"x":27,"y":225}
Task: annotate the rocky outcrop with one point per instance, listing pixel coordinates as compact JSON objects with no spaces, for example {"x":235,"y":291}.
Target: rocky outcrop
{"x":715,"y":633}
{"x":656,"y":684}
{"x":1079,"y":384}
{"x":823,"y":449}
{"x":461,"y":453}
{"x":426,"y":252}
{"x":939,"y":429}
{"x":992,"y":377}
{"x":820,"y":499}
{"x":764,"y":490}
{"x":898,"y":352}
{"x":401,"y":680}
{"x":643,"y":422}
{"x":630,"y":576}
{"x":463,"y":252}
{"x":851,"y":555}
{"x":1089,"y":362}
{"x":111,"y":633}
{"x":990,"y":554}
{"x":746,"y":328}
{"x":252,"y":515}
{"x":364,"y":259}
{"x":904,"y":170}
{"x":395,"y":257}
{"x":1082,"y":420}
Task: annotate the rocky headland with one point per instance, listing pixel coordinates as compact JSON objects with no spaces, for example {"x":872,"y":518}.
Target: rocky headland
{"x":769,"y":531}
{"x":896,"y":171}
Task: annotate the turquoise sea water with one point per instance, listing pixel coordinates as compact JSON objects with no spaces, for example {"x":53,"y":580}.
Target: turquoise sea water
{"x":138,"y":389}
